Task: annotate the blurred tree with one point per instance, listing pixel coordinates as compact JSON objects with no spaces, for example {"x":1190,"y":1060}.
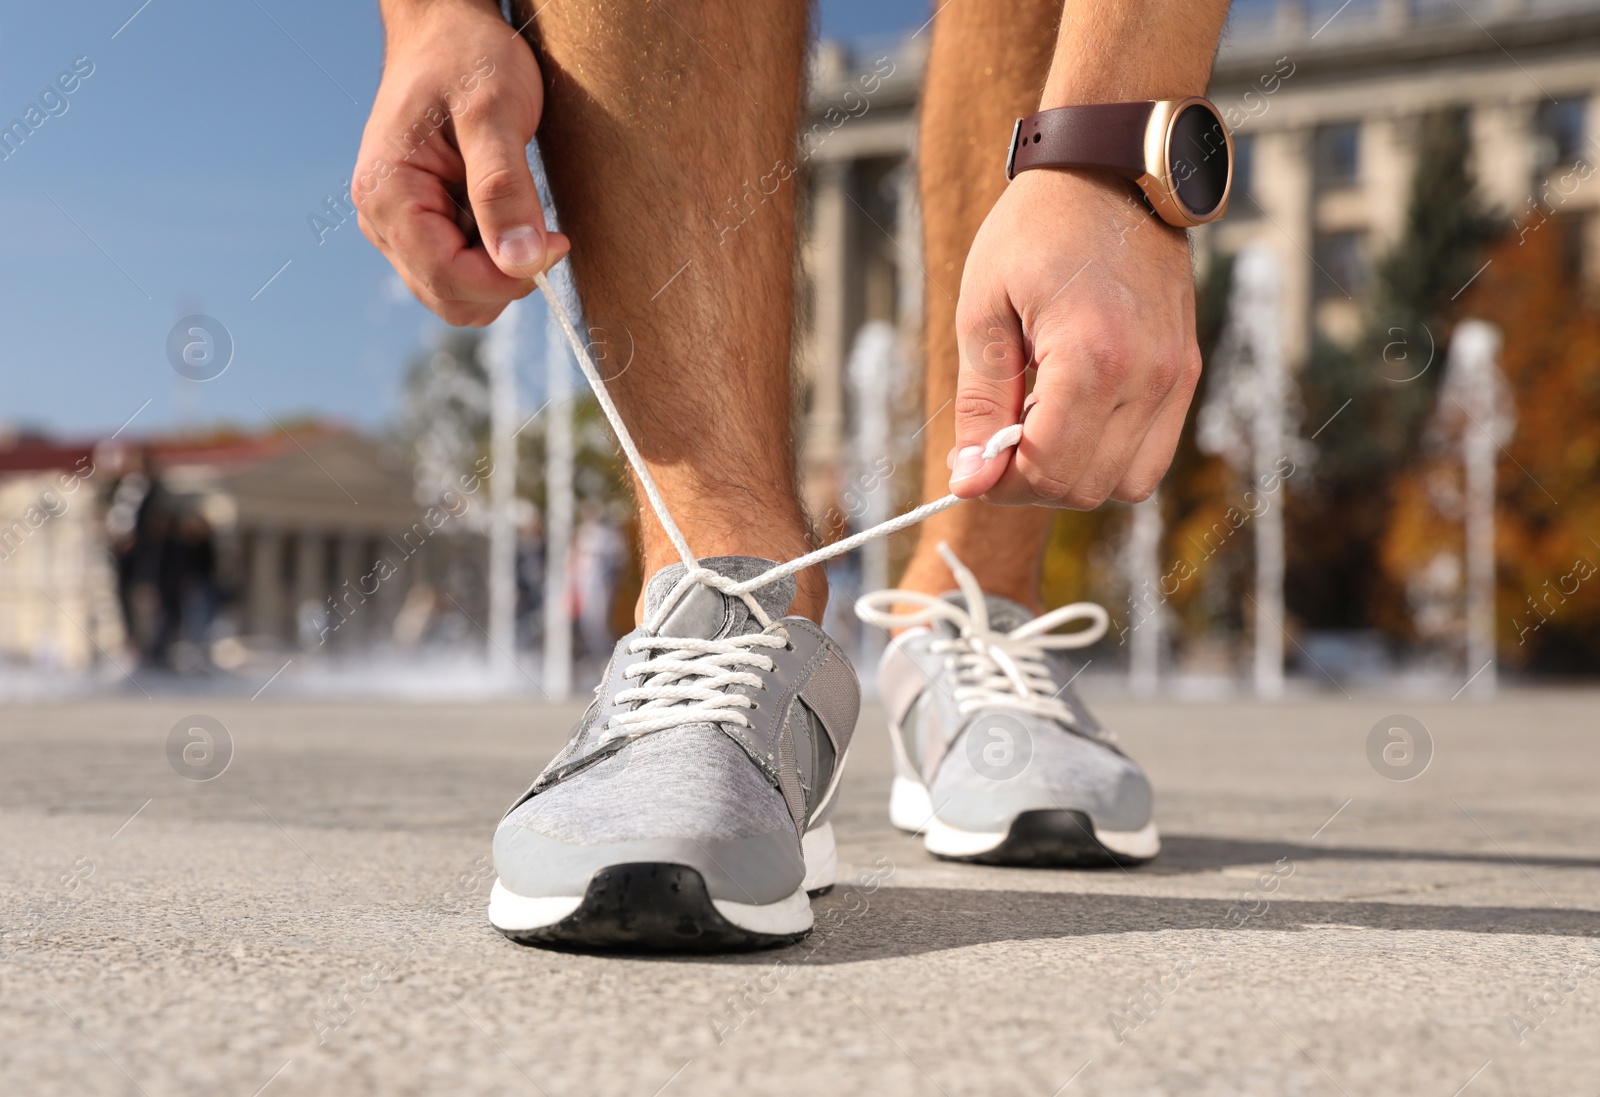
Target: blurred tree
{"x":1198,"y":491}
{"x":1379,"y":393}
{"x":444,"y":423}
{"x":1548,"y":518}
{"x":444,"y":418}
{"x":444,"y":429}
{"x":599,"y":470}
{"x":1447,"y":228}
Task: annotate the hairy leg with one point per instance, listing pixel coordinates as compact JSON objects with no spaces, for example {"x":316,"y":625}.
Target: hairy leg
{"x":986,"y":67}
{"x":668,"y":136}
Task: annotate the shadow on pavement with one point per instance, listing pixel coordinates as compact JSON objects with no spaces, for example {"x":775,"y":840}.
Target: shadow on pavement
{"x":911,"y":921}
{"x":1186,"y":853}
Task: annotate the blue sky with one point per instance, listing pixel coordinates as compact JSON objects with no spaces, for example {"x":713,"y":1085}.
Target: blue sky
{"x":178,"y":180}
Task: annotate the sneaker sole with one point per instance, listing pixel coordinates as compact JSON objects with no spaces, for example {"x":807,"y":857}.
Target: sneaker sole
{"x":1042,"y":838}
{"x":654,"y":906}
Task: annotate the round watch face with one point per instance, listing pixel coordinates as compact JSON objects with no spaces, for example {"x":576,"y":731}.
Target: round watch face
{"x":1197,"y":156}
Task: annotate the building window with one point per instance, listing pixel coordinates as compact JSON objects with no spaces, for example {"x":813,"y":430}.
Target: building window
{"x":1559,"y":125}
{"x":1338,"y":155}
{"x":1320,"y":15}
{"x":1429,"y":10}
{"x":1341,"y":265}
{"x":1242,"y":201}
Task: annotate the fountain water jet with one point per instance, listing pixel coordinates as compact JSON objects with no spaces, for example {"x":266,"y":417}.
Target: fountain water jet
{"x":1475,"y":400}
{"x":1247,"y":421}
{"x":500,"y":359}
{"x":558,"y":515}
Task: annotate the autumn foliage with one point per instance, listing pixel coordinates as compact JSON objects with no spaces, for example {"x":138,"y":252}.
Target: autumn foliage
{"x":1547,"y":529}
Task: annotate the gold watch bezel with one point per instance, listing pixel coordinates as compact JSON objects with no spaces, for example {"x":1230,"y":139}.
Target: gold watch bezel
{"x":1158,"y":183}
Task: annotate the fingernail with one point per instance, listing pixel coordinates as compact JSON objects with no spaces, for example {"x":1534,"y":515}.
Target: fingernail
{"x":968,"y":463}
{"x":521,"y":246}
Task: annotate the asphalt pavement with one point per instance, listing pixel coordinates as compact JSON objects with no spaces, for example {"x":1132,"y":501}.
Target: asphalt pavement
{"x":1337,"y":910}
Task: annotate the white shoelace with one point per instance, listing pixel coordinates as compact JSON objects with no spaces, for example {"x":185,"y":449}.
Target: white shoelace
{"x":687,"y":683}
{"x":1004,"y":670}
{"x":685,"y":686}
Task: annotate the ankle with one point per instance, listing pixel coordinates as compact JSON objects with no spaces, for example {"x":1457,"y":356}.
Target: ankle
{"x":811,"y":585}
{"x":928,"y":574}
{"x":811,"y":595}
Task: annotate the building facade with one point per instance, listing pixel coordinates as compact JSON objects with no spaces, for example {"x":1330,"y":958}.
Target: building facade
{"x":1327,"y":107}
{"x":862,"y":241}
{"x":58,"y":590}
{"x":1326,"y":100}
{"x":229,"y":551}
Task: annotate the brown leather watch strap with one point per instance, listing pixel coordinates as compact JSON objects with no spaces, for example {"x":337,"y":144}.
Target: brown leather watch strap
{"x":1107,"y":136}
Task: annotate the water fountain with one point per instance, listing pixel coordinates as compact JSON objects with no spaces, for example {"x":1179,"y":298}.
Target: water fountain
{"x":1246,"y":420}
{"x":500,"y":360}
{"x":1142,"y":566}
{"x":1475,"y":401}
{"x":869,"y":495}
{"x":558,"y":514}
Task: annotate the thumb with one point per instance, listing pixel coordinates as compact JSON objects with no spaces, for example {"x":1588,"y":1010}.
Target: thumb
{"x":504,"y":199}
{"x":989,"y":393}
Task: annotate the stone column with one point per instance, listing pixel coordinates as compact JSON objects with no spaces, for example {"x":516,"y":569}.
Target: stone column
{"x":830,"y":250}
{"x":310,"y":574}
{"x":1502,"y":153}
{"x":264,"y":585}
{"x":1286,"y":192}
{"x":1290,"y":20}
{"x":391,"y":591}
{"x":1388,"y":163}
{"x":908,"y":236}
{"x":355,"y":604}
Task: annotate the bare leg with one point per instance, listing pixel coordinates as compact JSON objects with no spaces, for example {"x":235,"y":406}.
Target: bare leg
{"x":657,"y":115}
{"x":986,"y":67}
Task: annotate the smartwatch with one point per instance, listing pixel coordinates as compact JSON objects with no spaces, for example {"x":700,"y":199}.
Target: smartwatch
{"x":1177,"y":151}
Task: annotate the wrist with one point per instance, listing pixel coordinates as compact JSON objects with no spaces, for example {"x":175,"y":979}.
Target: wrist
{"x":1101,"y":193}
{"x":1177,"y":153}
{"x":1075,"y":91}
{"x":1177,"y":40}
{"x":405,"y":20}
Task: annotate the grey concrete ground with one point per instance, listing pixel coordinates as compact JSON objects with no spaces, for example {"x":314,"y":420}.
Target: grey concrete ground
{"x":310,"y":922}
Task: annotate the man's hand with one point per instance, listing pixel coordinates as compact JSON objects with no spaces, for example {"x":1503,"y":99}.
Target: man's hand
{"x":1072,"y":276}
{"x":441,"y":182}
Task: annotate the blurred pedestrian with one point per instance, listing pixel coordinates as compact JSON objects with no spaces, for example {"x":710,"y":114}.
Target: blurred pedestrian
{"x":138,"y":522}
{"x":598,"y":548}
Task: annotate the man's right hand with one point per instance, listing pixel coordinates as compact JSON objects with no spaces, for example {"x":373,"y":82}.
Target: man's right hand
{"x":441,"y":183}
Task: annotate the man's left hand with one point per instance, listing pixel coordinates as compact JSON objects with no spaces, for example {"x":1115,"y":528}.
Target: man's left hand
{"x":1071,"y":275}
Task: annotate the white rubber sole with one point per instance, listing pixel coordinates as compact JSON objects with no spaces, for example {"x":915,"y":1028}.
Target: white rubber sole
{"x":513,"y":913}
{"x":911,"y":809}
{"x":821,"y":857}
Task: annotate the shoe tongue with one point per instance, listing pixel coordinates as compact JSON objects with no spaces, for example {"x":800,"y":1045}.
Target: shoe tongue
{"x":1004,"y":614}
{"x":708,"y":614}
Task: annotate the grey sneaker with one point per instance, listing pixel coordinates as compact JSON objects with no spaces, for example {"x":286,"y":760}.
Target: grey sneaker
{"x":996,"y":757}
{"x":689,"y":808}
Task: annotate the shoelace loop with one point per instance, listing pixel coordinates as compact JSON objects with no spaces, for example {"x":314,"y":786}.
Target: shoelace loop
{"x":1006,"y":670}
